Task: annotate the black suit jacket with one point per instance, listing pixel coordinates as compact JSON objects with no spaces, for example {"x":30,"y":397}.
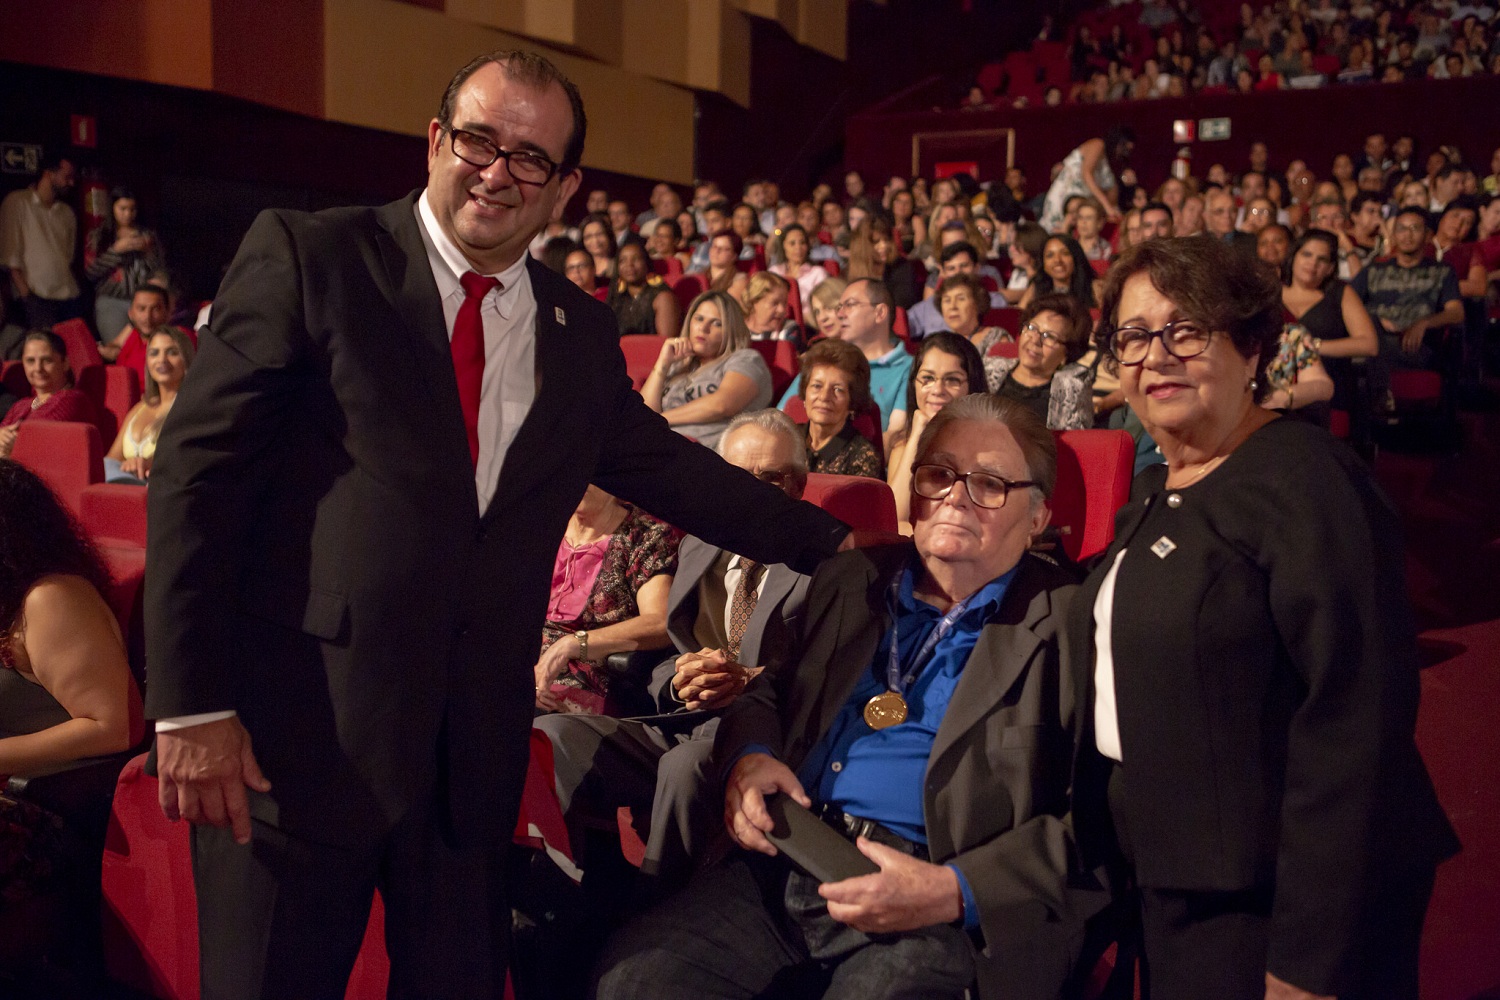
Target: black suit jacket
{"x":1266,"y":689}
{"x":995,"y":800}
{"x":318,"y":562}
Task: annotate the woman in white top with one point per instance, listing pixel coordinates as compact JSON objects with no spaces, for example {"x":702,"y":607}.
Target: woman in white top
{"x":168,"y":356}
{"x":1087,"y":171}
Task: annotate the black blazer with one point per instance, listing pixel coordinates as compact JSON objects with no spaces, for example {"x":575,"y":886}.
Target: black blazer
{"x":318,"y":562}
{"x":995,"y":799}
{"x":1266,"y":687}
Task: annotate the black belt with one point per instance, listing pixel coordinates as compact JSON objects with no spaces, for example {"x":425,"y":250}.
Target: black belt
{"x":857,"y":826}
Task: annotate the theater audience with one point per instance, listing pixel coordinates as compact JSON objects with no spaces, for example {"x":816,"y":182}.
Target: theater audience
{"x":66,"y":692}
{"x":956,"y":258}
{"x":823,"y":308}
{"x":119,"y":257}
{"x":946,"y":367}
{"x":792,"y":260}
{"x":1331,"y":313}
{"x":1065,"y":271}
{"x":1408,"y":294}
{"x":968,"y":850}
{"x":578,"y":267}
{"x":168,"y":357}
{"x":609,"y":595}
{"x":864,"y":319}
{"x":44,"y":359}
{"x":598,"y":239}
{"x":709,"y":373}
{"x":641,"y":300}
{"x":1045,"y":375}
{"x":1246,"y":652}
{"x":835,"y":385}
{"x":767,"y":312}
{"x":962,"y":300}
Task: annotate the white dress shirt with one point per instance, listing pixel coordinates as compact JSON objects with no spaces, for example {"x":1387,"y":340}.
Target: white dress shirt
{"x":508,"y":388}
{"x":1106,"y":717}
{"x":732,"y":574}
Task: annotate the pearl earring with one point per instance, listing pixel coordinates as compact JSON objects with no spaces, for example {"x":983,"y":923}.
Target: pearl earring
{"x":1254,"y":385}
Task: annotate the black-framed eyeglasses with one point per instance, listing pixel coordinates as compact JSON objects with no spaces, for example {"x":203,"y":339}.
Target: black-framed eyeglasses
{"x":1047,"y":337}
{"x":525,"y":165}
{"x":935,"y":482}
{"x":1182,"y":338}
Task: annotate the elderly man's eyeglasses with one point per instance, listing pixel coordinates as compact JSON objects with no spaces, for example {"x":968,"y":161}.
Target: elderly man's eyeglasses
{"x":1048,"y":338}
{"x":525,"y":165}
{"x":848,"y":305}
{"x":1183,"y":339}
{"x":935,"y":482}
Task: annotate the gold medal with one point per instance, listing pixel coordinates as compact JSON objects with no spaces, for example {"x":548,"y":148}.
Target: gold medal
{"x":885,"y":710}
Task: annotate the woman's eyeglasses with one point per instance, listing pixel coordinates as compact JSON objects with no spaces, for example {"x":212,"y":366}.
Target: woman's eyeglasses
{"x":1182,"y":339}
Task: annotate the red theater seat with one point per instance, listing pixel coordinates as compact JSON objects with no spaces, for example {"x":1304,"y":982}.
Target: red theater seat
{"x":66,"y":456}
{"x":1006,"y":319}
{"x":688,"y":288}
{"x":1094,"y":469}
{"x":114,"y":513}
{"x":641,"y":351}
{"x":114,"y":390}
{"x":1004,"y":349}
{"x":781,"y":358}
{"x":13,"y":379}
{"x":83,"y":349}
{"x":862,"y":503}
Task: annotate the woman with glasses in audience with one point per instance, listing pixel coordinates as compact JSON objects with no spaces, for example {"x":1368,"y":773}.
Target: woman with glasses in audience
{"x":834,"y":386}
{"x":44,"y":359}
{"x":768,"y":309}
{"x":578,"y":267}
{"x":66,"y":692}
{"x":724,"y":274}
{"x":947,"y":367}
{"x":1065,"y":270}
{"x":791,"y":254}
{"x":169,"y":354}
{"x":610,"y":582}
{"x":1338,"y":328}
{"x":641,"y":300}
{"x":823,"y":308}
{"x":1045,"y":375}
{"x":710,"y":373}
{"x":1246,"y":663}
{"x":962,"y":301}
{"x":598,"y":238}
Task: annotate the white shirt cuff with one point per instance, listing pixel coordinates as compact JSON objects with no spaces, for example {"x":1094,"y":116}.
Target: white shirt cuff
{"x":184,"y":721}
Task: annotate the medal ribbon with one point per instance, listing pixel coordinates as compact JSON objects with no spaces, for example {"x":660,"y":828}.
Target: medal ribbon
{"x":893,"y":679}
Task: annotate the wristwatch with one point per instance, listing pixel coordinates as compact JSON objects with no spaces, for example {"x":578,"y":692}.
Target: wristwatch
{"x":582,"y":635}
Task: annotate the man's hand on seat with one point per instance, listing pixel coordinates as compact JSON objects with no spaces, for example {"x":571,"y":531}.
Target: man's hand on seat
{"x":755,"y":776}
{"x":904,"y":895}
{"x":203,"y":772}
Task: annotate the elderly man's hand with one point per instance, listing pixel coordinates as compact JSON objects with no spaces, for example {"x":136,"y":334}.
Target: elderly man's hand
{"x":204,"y":770}
{"x":906,"y":894}
{"x":755,"y":776}
{"x":709,"y":679}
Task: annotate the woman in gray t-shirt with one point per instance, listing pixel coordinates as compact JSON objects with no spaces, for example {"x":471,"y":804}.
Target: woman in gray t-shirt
{"x":710,"y":373}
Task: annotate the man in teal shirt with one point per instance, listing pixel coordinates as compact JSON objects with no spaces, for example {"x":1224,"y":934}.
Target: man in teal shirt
{"x":865,"y":313}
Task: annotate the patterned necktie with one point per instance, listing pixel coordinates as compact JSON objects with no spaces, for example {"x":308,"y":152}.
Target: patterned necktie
{"x":467,"y":346}
{"x":742,"y":604}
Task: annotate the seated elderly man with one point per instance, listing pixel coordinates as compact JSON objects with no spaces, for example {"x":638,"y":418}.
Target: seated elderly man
{"x":925,"y":717}
{"x":727,"y":617}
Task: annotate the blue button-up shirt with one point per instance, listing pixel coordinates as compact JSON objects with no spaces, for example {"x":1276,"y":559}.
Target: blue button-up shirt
{"x":880,"y":774}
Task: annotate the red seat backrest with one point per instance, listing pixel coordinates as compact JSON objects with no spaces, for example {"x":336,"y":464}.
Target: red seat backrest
{"x":83,"y":349}
{"x":899,"y":325}
{"x":65,"y":456}
{"x":641,"y":351}
{"x":1006,"y":319}
{"x":781,"y":358}
{"x":862,"y":503}
{"x":831,"y":266}
{"x":114,"y":512}
{"x":1005,"y":349}
{"x":13,"y":379}
{"x":687,"y":288}
{"x":1094,"y":469}
{"x":601,"y":293}
{"x":794,"y":302}
{"x":114,"y":390}
{"x":866,"y":421}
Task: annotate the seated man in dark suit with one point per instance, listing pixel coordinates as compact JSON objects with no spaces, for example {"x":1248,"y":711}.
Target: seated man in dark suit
{"x":928,"y":720}
{"x":726,"y":625}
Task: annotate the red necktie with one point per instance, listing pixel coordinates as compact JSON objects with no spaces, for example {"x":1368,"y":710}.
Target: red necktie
{"x":467,"y":346}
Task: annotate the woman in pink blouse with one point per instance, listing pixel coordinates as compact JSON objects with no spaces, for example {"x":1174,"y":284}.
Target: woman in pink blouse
{"x":44,"y":357}
{"x":609,"y":595}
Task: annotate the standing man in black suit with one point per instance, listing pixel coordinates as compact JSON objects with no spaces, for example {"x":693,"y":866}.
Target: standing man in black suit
{"x":354,"y":512}
{"x":657,"y":765}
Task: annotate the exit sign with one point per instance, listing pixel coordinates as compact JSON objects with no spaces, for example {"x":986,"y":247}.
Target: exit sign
{"x":1213,"y":129}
